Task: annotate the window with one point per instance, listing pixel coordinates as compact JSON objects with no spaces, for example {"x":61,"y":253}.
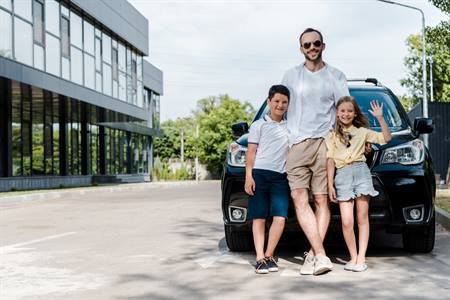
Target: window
{"x":65,"y":36}
{"x":115,"y":62}
{"x":6,"y":34}
{"x":89,"y":71}
{"x":133,"y":73}
{"x":38,"y":57}
{"x":88,"y":31}
{"x":98,"y":54}
{"x":122,"y":87}
{"x":107,"y":84}
{"x":76,"y":69}
{"x":65,"y":68}
{"x":98,"y":82}
{"x":6,"y":4}
{"x":23,"y":8}
{"x":106,"y":48}
{"x":38,"y":21}
{"x":52,"y":16}
{"x":122,"y":58}
{"x":76,"y":28}
{"x":53,"y":55}
{"x":23,"y":42}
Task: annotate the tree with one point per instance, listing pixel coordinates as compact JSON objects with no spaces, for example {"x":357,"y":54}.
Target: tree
{"x":215,"y":115}
{"x":438,"y":48}
{"x":169,"y":144}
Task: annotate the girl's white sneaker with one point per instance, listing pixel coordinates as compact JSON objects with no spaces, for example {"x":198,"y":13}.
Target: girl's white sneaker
{"x":360,"y":268}
{"x":349,"y":266}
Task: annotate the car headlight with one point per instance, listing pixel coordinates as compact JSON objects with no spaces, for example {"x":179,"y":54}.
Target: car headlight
{"x":406,"y":154}
{"x":236,"y":155}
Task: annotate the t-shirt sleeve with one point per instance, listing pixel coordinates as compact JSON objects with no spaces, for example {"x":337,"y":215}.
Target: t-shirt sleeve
{"x":331,"y":144}
{"x":375,"y":137}
{"x":254,"y":134}
{"x":341,"y":87}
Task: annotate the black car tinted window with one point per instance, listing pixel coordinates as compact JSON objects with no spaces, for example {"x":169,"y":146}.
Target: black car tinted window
{"x":390,"y":108}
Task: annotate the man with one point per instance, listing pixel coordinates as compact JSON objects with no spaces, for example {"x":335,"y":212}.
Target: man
{"x":315,"y":88}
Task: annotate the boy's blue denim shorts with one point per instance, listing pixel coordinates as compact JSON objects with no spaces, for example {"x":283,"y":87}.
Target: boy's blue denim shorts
{"x":353,"y":181}
{"x":271,"y":196}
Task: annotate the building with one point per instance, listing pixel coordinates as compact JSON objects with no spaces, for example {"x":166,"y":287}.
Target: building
{"x":77,"y":99}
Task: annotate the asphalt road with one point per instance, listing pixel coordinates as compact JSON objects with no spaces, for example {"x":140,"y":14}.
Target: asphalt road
{"x":167,"y":242}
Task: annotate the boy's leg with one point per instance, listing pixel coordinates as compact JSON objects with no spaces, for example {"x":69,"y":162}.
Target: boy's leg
{"x":275,"y":232}
{"x":362,"y":213}
{"x":258,"y":228}
{"x":347,"y":220}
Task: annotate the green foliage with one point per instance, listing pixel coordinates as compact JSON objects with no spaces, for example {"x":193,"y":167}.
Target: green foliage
{"x":438,"y":47}
{"x":214,"y":117}
{"x":161,"y":171}
{"x":443,"y":5}
{"x":406,"y":102}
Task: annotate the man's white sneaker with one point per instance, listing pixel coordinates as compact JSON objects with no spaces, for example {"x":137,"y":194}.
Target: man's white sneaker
{"x":322,"y":265}
{"x":308,"y":265}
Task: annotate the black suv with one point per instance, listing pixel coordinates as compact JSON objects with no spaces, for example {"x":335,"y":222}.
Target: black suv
{"x":402,"y":173}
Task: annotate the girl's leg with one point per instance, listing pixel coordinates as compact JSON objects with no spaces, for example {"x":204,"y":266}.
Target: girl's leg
{"x":362,"y":212}
{"x":347,"y":220}
{"x":258,"y":228}
{"x":275,"y":232}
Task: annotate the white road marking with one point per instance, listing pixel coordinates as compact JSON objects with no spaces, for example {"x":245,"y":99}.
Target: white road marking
{"x":47,"y":238}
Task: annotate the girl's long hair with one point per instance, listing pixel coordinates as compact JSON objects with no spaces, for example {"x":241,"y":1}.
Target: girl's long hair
{"x":360,"y":119}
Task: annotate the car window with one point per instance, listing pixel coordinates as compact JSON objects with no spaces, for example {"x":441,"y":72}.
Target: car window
{"x":390,"y":108}
{"x":363,"y":97}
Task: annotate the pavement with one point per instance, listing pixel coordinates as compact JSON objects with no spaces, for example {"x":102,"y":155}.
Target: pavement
{"x":167,"y":242}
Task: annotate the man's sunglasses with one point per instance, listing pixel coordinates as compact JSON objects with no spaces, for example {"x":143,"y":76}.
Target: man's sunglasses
{"x":316,"y":43}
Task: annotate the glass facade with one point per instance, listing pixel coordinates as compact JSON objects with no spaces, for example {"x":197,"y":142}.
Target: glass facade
{"x":46,"y":142}
{"x":33,"y":31}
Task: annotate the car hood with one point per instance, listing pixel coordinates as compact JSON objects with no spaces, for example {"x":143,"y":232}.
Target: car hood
{"x":398,"y":138}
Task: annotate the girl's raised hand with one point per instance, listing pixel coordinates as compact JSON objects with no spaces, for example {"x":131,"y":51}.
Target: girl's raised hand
{"x":377,"y":109}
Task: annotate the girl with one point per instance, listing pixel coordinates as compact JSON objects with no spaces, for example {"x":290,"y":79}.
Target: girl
{"x":353,"y":182}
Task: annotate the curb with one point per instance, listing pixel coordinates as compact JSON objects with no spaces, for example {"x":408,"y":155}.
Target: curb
{"x":443,"y":218}
{"x":51,"y":195}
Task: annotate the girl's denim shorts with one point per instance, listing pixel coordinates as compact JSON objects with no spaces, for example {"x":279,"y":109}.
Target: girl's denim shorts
{"x":353,"y":181}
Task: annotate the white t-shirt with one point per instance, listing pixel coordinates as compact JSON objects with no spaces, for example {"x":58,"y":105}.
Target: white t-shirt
{"x":272,"y":140}
{"x":312,"y":107}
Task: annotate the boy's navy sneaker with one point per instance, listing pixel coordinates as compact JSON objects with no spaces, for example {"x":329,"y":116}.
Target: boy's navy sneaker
{"x":261,"y":267}
{"x":272,"y":265}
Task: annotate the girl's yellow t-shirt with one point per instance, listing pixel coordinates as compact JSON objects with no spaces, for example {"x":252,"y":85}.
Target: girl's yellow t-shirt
{"x":344,"y":155}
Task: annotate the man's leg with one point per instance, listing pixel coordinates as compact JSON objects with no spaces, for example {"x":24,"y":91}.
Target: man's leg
{"x":307,"y":219}
{"x":322,"y":214}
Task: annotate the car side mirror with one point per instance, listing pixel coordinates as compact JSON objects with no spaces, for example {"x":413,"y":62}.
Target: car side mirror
{"x":239,"y":129}
{"x":423,"y":125}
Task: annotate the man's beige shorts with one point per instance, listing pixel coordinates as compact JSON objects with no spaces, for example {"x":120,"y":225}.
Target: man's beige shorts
{"x":306,"y":166}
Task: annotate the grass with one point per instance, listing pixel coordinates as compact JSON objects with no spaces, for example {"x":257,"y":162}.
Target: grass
{"x":443,"y":199}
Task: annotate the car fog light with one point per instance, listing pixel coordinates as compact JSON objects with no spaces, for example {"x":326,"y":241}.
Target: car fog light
{"x":237,"y":214}
{"x":415,"y":214}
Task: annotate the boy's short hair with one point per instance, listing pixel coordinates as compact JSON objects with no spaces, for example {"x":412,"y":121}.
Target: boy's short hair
{"x":307,"y":30}
{"x":280,"y":89}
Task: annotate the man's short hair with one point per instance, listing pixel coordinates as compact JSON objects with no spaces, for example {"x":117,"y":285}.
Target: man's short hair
{"x":308,"y":30}
{"x":280,"y":89}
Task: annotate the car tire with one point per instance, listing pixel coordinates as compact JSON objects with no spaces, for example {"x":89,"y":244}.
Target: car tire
{"x":420,"y":239}
{"x":238,"y":240}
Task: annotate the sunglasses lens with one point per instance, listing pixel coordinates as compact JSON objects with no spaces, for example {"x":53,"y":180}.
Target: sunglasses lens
{"x":317,"y":43}
{"x":307,"y":45}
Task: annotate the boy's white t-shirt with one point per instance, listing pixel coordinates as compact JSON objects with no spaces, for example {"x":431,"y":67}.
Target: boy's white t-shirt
{"x":272,"y":140}
{"x":312,"y":110}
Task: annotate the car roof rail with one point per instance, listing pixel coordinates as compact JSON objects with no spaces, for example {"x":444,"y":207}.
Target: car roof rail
{"x":368,"y":80}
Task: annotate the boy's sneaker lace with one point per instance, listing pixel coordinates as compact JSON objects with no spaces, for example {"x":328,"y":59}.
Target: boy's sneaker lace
{"x":272,"y":265}
{"x":261,"y":267}
{"x":322,"y":265}
{"x":308,"y":264}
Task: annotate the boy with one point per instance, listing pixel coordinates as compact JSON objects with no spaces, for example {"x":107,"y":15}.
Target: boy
{"x":266,"y":179}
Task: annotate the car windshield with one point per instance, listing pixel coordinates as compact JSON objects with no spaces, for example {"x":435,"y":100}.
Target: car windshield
{"x":391,"y":110}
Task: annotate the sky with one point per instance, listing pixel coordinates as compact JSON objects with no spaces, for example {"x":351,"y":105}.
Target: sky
{"x":241,"y":48}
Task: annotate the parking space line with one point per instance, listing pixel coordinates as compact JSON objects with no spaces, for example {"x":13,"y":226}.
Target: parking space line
{"x":47,"y":238}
